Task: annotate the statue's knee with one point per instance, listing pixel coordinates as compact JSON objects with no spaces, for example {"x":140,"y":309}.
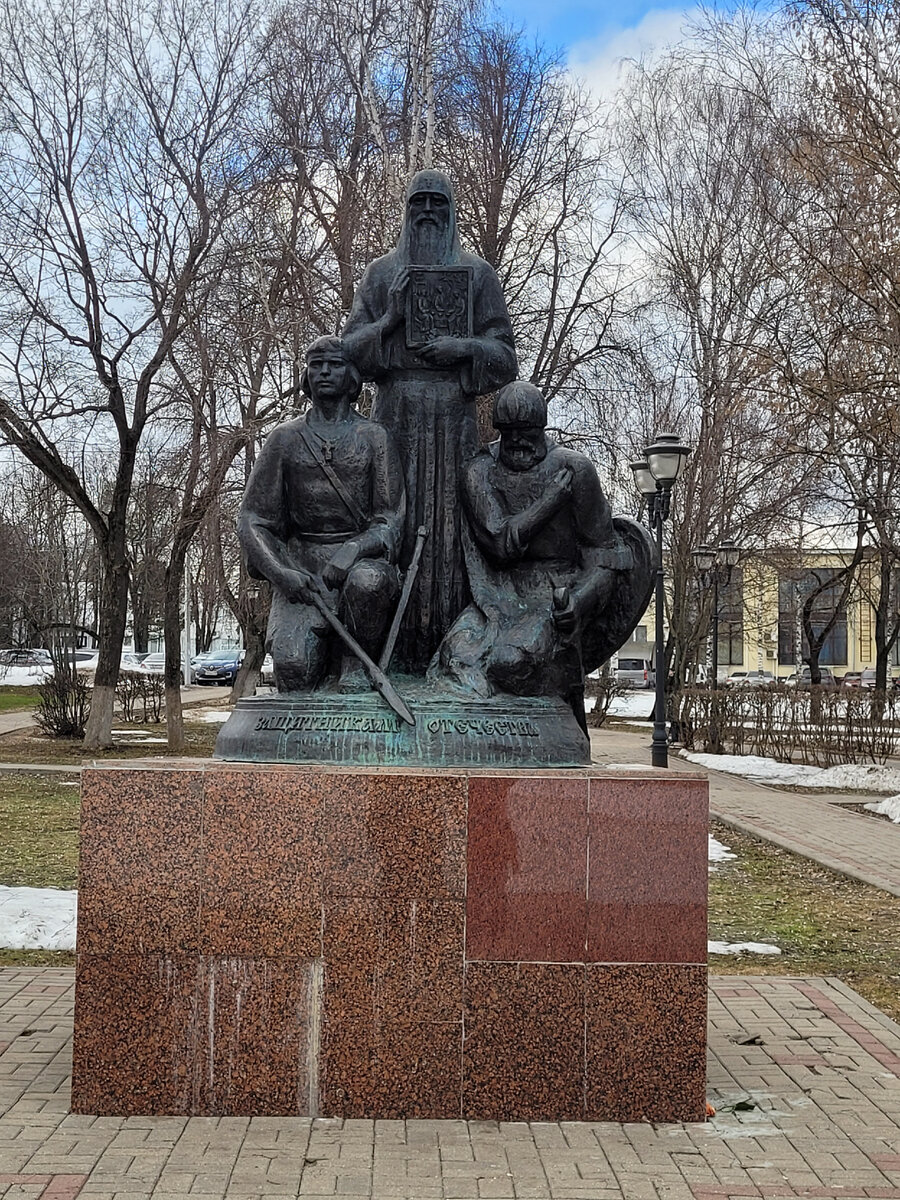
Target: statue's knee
{"x":370,"y":580}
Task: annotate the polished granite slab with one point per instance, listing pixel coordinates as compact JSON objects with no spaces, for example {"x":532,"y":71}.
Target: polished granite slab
{"x":287,"y":939}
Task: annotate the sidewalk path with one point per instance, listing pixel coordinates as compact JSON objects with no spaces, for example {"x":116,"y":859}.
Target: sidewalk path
{"x":11,"y":722}
{"x":848,"y":842}
{"x":818,"y":1116}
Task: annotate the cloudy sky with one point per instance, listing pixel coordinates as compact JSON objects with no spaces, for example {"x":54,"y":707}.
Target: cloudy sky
{"x":596,"y":34}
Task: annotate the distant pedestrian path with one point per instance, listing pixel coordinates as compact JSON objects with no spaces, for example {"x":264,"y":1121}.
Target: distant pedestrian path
{"x":848,"y":842}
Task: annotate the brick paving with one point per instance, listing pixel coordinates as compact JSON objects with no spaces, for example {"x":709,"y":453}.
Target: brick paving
{"x":805,"y":1076}
{"x":808,"y":824}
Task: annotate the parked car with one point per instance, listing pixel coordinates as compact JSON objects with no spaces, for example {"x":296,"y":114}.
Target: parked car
{"x":804,"y":679}
{"x":750,"y":679}
{"x":851,"y":679}
{"x":30,"y":657}
{"x":636,"y":673}
{"x":86,"y":661}
{"x":155,"y":664}
{"x":219,"y":666}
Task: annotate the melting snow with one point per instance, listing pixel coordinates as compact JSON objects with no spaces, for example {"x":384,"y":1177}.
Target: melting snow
{"x":718,"y":852}
{"x":737,"y":947}
{"x":24,"y":676}
{"x":889,"y":807}
{"x":849,"y":777}
{"x":37,"y":918}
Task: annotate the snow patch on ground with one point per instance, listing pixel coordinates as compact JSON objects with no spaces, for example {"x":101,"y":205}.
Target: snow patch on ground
{"x":37,"y":918}
{"x":212,"y":716}
{"x":889,"y":807}
{"x":737,"y":947}
{"x":633,"y":703}
{"x":718,"y":852}
{"x":24,"y":676}
{"x":849,"y":777}
{"x":130,"y":738}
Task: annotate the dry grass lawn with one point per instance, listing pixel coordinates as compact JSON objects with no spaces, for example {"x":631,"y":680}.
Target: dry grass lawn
{"x":824,"y":924}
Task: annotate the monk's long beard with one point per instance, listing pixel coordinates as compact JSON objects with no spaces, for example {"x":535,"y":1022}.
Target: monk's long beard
{"x":429,"y":245}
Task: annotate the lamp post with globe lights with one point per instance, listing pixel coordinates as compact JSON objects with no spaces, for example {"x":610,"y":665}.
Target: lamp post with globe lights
{"x":715,"y":564}
{"x":655,"y":475}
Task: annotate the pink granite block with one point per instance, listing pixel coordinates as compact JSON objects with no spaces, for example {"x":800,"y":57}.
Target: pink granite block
{"x":399,"y":835}
{"x":261,"y":1041}
{"x":646,"y":1042}
{"x":647,"y":880}
{"x":158,"y":1035}
{"x":393,"y":960}
{"x":391,"y":1070}
{"x":523,"y":1052}
{"x":139,"y":870}
{"x":527,"y":869}
{"x":262,"y":864}
{"x":136,"y":1031}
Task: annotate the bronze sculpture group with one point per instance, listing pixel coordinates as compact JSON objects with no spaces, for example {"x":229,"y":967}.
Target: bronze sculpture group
{"x":396,"y":543}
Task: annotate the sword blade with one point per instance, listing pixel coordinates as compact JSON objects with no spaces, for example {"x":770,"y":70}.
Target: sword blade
{"x":379,"y":680}
{"x":387,"y":653}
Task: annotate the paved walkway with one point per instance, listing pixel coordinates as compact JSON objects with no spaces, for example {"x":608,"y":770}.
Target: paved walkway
{"x":12,"y":722}
{"x":809,"y":824}
{"x":804,"y":1074}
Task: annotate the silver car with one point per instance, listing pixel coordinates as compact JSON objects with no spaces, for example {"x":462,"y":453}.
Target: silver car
{"x":636,"y":673}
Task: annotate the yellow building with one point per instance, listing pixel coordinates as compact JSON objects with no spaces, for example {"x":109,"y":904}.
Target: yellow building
{"x":760,"y":605}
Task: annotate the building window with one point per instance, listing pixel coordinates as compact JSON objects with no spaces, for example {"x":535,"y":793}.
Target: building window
{"x":731,"y":619}
{"x":793,"y":591}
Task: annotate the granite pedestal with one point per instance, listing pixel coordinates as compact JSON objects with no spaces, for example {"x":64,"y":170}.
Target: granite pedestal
{"x":298,"y":940}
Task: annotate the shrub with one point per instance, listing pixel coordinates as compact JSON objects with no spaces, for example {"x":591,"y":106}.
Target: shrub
{"x":605,"y":689}
{"x":815,"y":726}
{"x":141,"y":696}
{"x":63,"y":704}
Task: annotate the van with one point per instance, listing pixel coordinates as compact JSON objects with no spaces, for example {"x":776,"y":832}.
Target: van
{"x":635,"y":673}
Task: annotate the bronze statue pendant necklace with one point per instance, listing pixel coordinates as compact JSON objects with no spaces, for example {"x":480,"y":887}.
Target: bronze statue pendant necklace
{"x":329,"y":445}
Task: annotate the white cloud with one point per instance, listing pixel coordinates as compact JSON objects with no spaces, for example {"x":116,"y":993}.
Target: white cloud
{"x":601,"y":61}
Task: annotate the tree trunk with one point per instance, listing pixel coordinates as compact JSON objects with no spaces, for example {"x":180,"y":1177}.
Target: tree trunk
{"x":248,"y":675}
{"x":140,"y":622}
{"x":882,"y":620}
{"x":113,"y":616}
{"x":173,"y":669}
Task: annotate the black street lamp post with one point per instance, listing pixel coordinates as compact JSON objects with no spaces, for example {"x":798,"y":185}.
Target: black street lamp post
{"x":655,"y":476}
{"x":716,"y":563}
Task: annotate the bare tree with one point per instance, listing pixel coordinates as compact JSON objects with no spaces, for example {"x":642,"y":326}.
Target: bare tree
{"x":708,"y":250}
{"x":121,"y":158}
{"x":47,"y":599}
{"x":540,"y":197}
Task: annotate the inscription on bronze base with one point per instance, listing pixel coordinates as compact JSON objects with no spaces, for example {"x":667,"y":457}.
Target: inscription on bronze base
{"x":330,"y":728}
